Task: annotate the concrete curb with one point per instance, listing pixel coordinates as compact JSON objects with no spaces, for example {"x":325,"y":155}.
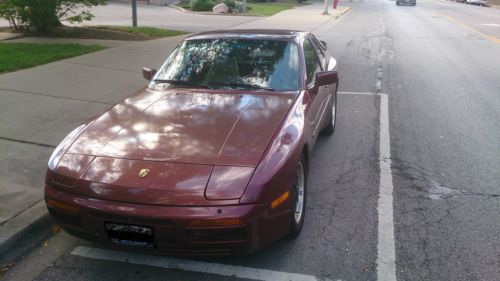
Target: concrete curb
{"x":343,"y":12}
{"x":24,"y":231}
{"x":335,"y":18}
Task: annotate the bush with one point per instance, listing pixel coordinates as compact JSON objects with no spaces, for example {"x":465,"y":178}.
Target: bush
{"x":43,"y":15}
{"x":202,"y":5}
{"x":233,"y":5}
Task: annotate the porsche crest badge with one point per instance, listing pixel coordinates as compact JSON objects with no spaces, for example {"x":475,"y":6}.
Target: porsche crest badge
{"x":143,"y":172}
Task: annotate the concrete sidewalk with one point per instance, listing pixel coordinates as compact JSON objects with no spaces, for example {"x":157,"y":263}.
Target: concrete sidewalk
{"x":39,"y":106}
{"x":8,"y":36}
{"x":307,"y":18}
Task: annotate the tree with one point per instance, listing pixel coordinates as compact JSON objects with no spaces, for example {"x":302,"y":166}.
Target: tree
{"x":43,"y":15}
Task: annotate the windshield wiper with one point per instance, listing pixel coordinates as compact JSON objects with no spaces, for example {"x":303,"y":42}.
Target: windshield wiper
{"x":241,"y":85}
{"x":181,"y":83}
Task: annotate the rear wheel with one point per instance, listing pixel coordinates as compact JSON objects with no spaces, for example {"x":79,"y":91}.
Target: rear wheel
{"x":299,"y":200}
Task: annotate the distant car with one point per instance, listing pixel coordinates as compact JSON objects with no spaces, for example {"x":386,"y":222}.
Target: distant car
{"x":406,"y":2}
{"x":476,"y":2}
{"x":212,"y":158}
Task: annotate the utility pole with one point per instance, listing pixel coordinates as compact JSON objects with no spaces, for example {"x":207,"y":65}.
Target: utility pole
{"x":325,"y":11}
{"x":244,"y":6}
{"x":134,"y":13}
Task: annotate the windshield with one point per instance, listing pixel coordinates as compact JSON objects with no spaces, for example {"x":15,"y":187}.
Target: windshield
{"x":233,"y":64}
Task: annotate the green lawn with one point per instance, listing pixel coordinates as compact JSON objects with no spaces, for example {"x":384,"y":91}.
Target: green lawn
{"x":149,"y":31}
{"x":269,"y":8}
{"x":15,"y":56}
{"x":257,"y":9}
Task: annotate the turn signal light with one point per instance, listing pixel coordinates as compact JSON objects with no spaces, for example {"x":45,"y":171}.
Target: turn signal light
{"x":215,"y":222}
{"x":280,"y":199}
{"x":62,"y":206}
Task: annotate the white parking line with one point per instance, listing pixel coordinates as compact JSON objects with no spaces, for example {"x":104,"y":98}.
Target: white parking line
{"x":386,"y":256}
{"x":490,"y":24}
{"x":189,"y":265}
{"x":358,"y":93}
{"x":386,"y":253}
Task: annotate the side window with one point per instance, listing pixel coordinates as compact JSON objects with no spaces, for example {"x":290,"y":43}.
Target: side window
{"x":318,"y":49}
{"x":313,"y":65}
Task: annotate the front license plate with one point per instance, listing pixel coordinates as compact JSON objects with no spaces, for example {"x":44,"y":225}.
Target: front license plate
{"x":130,"y":235}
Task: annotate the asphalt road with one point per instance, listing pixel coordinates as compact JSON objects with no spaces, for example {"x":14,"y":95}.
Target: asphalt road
{"x":439,"y":65}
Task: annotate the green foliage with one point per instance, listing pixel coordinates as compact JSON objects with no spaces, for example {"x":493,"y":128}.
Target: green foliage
{"x":8,"y":11}
{"x":43,"y":15}
{"x":202,"y":5}
{"x":269,"y":9}
{"x":233,"y":5}
{"x":14,"y":56}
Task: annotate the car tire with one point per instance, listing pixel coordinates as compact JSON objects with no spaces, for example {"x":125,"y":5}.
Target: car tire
{"x":330,"y":128}
{"x":299,"y":197}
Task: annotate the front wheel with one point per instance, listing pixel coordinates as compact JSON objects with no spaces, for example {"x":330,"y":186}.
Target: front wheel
{"x":330,"y":128}
{"x":299,"y":200}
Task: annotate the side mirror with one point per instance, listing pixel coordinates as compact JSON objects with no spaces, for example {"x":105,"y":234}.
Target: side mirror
{"x":323,"y":44}
{"x":148,"y":73}
{"x":326,"y":78}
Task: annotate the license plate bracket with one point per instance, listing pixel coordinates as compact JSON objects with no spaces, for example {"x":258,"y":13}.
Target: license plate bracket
{"x":130,"y":234}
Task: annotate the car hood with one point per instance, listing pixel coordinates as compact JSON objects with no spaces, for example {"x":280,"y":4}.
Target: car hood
{"x":218,"y":128}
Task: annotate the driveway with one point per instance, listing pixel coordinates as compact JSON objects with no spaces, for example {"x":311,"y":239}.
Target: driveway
{"x":159,"y":16}
{"x":163,"y":17}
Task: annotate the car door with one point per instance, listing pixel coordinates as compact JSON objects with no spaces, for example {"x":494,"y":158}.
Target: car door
{"x":318,"y":97}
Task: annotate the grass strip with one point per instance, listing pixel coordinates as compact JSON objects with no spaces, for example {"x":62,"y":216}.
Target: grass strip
{"x":142,"y":30}
{"x":15,"y":56}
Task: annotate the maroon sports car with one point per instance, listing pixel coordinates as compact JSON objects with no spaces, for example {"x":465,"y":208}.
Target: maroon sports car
{"x":212,"y":157}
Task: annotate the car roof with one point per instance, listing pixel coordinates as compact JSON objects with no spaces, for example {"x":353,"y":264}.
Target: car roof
{"x":283,"y":34}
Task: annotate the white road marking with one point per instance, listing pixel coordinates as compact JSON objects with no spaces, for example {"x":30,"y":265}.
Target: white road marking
{"x":189,"y":265}
{"x":490,"y":24}
{"x":386,"y":253}
{"x":358,"y":93}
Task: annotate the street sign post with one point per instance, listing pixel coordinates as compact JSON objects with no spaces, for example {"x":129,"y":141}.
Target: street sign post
{"x":134,"y":13}
{"x":325,"y":11}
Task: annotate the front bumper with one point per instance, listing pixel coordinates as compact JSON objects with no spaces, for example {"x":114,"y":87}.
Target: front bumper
{"x":171,"y":232}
